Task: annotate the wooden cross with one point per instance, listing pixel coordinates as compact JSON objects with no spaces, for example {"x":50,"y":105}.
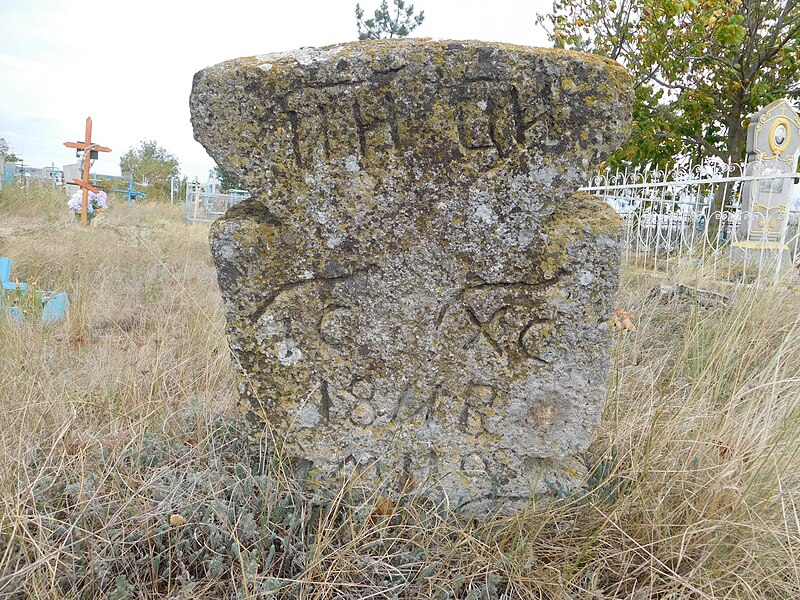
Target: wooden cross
{"x":89,"y":151}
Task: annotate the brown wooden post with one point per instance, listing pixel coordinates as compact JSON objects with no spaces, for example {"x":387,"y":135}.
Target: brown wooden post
{"x":87,"y":147}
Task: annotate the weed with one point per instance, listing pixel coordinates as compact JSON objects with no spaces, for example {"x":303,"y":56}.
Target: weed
{"x":126,"y":470}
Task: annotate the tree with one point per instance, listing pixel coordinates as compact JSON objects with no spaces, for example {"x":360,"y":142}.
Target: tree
{"x":386,"y":25}
{"x":150,"y":164}
{"x":6,"y":153}
{"x":700,"y":67}
{"x":226,"y":180}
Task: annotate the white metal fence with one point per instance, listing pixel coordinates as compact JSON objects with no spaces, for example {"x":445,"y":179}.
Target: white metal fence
{"x":202,"y":205}
{"x":688,"y":214}
{"x":694,"y":214}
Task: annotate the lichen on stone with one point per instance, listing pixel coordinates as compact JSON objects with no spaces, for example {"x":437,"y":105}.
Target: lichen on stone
{"x":414,"y":290}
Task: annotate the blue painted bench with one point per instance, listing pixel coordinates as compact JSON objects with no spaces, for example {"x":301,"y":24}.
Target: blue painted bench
{"x":54,"y":304}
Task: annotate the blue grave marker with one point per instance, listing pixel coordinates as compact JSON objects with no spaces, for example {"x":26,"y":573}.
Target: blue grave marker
{"x":8,"y":173}
{"x":131,"y":193}
{"x":5,"y":277}
{"x":54,"y":304}
{"x":55,"y":308}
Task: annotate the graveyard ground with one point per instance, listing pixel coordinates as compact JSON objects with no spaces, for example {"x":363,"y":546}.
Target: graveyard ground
{"x":126,"y":470}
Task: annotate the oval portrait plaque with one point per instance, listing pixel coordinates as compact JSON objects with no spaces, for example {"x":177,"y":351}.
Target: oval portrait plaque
{"x":779,"y":135}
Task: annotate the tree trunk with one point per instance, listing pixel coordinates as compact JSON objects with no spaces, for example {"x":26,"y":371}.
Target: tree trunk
{"x":734,"y":146}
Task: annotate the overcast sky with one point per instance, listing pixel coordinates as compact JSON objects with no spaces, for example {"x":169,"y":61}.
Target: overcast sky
{"x":129,"y":65}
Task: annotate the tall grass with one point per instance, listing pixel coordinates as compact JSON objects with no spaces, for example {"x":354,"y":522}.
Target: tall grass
{"x":126,"y":470}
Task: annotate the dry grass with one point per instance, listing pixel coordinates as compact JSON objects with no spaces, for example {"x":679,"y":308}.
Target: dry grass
{"x":127,"y":472}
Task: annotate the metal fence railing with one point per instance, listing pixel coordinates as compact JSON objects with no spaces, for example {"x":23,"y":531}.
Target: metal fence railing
{"x":207,"y":206}
{"x":698,"y":214}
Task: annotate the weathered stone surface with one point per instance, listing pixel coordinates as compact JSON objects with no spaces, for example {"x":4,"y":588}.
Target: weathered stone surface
{"x":414,"y":285}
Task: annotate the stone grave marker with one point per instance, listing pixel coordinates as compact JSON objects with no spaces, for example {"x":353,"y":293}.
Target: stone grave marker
{"x":414,"y":291}
{"x":71,"y":172}
{"x":773,"y":146}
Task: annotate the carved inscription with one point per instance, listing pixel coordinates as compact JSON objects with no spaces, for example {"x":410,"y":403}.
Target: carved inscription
{"x":413,"y":291}
{"x":488,"y":115}
{"x":478,"y":398}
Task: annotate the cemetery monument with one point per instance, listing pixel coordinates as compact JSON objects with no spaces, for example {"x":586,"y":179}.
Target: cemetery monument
{"x":773,"y":146}
{"x":414,"y":290}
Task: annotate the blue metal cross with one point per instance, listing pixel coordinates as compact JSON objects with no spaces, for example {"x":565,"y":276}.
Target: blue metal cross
{"x":132,"y":193}
{"x":54,"y":304}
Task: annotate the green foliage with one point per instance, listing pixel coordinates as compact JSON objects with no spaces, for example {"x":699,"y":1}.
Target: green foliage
{"x":30,"y":303}
{"x":226,"y":180}
{"x":6,"y":153}
{"x":387,"y":25}
{"x":700,"y":67}
{"x":214,"y":516}
{"x":150,"y":164}
{"x":38,"y":199}
{"x":112,"y":436}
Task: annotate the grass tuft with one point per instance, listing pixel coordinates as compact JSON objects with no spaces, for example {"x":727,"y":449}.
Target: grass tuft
{"x":127,"y":471}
